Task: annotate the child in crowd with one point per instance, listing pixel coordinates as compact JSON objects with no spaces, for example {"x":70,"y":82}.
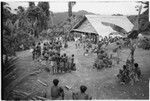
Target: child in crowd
{"x":72,"y":60}
{"x":61,"y":64}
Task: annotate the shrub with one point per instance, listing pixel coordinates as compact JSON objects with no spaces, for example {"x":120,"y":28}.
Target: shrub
{"x":144,"y":43}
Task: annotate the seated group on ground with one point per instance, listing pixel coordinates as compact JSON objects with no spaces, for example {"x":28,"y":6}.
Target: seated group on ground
{"x":57,"y":92}
{"x":104,"y":42}
{"x":103,"y":60}
{"x":129,"y":74}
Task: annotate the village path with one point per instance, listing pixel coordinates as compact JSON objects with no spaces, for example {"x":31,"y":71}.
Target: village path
{"x":101,"y":84}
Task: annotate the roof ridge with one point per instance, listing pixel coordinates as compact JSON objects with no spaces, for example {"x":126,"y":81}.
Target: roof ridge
{"x":98,"y":15}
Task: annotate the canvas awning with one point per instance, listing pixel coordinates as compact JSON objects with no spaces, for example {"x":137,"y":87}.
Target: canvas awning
{"x":103,"y":25}
{"x":98,"y":20}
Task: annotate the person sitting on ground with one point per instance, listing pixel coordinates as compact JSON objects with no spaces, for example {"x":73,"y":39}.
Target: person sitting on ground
{"x":125,"y":74}
{"x":137,"y":70}
{"x":66,"y":45}
{"x":120,"y":75}
{"x":81,"y":95}
{"x":61,"y":93}
{"x":56,"y":92}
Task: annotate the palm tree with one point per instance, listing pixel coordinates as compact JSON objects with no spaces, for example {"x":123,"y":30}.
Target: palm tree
{"x":142,"y":20}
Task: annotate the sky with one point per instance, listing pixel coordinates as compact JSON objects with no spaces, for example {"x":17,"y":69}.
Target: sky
{"x":97,"y":7}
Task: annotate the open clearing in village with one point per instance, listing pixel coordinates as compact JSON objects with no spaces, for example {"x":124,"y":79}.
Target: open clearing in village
{"x":102,"y":84}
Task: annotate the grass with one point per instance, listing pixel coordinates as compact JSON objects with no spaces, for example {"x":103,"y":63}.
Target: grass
{"x":101,"y":84}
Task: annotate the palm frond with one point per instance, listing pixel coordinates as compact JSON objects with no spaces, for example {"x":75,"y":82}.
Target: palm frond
{"x":9,"y":66}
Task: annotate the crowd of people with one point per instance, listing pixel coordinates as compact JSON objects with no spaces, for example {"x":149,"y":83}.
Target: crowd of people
{"x":130,"y":73}
{"x":50,"y":52}
{"x":96,"y":48}
{"x":60,"y":63}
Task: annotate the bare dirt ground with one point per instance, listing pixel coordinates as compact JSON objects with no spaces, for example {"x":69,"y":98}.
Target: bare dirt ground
{"x":102,"y":84}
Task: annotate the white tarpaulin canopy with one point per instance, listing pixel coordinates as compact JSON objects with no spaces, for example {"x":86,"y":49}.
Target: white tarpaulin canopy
{"x":97,"y":20}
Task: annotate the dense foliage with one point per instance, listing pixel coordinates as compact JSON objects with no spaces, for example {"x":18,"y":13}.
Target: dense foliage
{"x":23,"y":27}
{"x":144,"y":43}
{"x":19,"y":32}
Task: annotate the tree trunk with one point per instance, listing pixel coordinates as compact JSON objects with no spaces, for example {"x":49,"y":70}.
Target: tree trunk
{"x":132,"y":55}
{"x":133,"y":42}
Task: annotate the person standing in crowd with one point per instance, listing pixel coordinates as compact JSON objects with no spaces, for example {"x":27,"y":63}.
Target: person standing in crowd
{"x":58,"y":62}
{"x":72,"y":62}
{"x":53,"y":63}
{"x":61,"y":64}
{"x":65,"y":59}
{"x":38,"y":50}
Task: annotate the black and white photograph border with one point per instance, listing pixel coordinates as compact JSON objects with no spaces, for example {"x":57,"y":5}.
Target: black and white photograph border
{"x":75,"y":50}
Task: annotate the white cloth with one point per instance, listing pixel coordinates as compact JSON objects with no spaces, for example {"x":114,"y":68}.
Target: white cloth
{"x":31,"y":50}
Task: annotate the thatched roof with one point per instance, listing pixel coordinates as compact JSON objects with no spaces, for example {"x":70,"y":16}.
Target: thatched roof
{"x":95,"y":24}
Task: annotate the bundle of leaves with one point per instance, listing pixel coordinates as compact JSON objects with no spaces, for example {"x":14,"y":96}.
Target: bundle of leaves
{"x":102,"y":61}
{"x":144,"y":44}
